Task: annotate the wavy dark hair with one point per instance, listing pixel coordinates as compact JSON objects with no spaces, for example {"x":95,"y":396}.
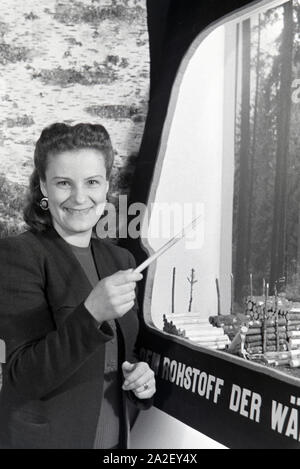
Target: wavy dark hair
{"x":57,"y":138}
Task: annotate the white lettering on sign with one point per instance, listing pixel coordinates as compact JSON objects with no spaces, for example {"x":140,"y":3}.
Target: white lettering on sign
{"x":281,"y":418}
{"x":192,"y":379}
{"x":285,"y":420}
{"x":247,"y":403}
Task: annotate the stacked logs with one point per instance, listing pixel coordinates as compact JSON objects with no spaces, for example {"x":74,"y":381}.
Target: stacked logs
{"x":274,"y":327}
{"x":274,"y":332}
{"x":231,"y":323}
{"x":195,"y":329}
{"x":171,"y":328}
{"x":270,"y":329}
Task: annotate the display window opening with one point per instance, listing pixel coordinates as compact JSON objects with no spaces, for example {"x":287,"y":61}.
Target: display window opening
{"x":229,"y":155}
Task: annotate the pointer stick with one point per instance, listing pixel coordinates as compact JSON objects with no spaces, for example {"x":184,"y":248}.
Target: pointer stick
{"x":168,"y":245}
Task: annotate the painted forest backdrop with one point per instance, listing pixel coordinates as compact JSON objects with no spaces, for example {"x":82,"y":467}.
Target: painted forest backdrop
{"x":266,"y":228}
{"x":71,"y":61}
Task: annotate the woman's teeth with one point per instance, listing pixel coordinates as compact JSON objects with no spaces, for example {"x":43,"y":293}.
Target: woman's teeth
{"x":76,"y":211}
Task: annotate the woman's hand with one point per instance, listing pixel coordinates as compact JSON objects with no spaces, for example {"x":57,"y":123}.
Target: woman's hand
{"x":113,"y":296}
{"x":139,"y":378}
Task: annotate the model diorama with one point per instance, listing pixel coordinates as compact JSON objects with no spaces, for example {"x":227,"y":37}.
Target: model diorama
{"x":267,"y":331}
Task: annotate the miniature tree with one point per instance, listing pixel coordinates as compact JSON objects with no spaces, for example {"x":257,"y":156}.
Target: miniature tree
{"x":192,"y":281}
{"x":218,"y":296}
{"x":173,"y":290}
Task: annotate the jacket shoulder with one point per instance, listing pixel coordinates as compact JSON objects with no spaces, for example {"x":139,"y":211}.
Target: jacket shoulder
{"x":26,"y":240}
{"x":21,"y":237}
{"x":21,"y":250}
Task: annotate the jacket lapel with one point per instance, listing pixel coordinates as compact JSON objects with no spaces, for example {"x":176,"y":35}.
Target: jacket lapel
{"x":67,"y":283}
{"x":104,"y":265}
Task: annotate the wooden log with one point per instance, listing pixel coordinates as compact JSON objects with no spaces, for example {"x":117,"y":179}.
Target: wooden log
{"x":282,"y":355}
{"x":294,"y":342}
{"x":257,"y":343}
{"x":293,"y":334}
{"x":292,"y":323}
{"x":220,"y":321}
{"x":254,"y":331}
{"x":294,"y":310}
{"x":255,"y":338}
{"x":205,"y":339}
{"x":269,"y":322}
{"x":282,"y":362}
{"x":270,"y":348}
{"x":270,"y":329}
{"x":293,"y":316}
{"x":212,"y":345}
{"x":278,"y":362}
{"x":293,"y":327}
{"x":295,"y":363}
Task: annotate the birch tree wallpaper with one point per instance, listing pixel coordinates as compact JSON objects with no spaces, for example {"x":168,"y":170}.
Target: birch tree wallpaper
{"x":70,"y":61}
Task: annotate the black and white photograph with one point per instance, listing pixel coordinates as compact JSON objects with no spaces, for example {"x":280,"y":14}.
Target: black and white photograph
{"x":150,"y":227}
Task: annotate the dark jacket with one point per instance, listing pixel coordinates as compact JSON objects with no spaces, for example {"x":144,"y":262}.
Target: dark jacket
{"x":53,"y":377}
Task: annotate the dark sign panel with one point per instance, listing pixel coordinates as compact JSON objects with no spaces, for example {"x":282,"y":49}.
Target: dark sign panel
{"x":235,"y":403}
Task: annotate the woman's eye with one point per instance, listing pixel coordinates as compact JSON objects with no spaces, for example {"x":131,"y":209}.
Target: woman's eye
{"x":93,"y":182}
{"x":63,"y":183}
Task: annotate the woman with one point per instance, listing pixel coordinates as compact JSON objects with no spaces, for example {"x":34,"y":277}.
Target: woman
{"x":67,"y":306}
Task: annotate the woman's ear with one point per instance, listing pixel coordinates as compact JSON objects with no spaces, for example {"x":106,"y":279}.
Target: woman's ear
{"x":43,"y":188}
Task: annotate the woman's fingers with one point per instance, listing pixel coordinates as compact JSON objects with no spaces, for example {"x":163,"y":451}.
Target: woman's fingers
{"x":140,"y":380}
{"x":139,"y":370}
{"x":124,"y":308}
{"x":123,"y":277}
{"x":126,"y":288}
{"x":113,"y":296}
{"x":146,"y":391}
{"x":122,"y":299}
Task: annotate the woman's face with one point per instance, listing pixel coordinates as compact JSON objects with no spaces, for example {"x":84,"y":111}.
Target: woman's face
{"x":76,"y":187}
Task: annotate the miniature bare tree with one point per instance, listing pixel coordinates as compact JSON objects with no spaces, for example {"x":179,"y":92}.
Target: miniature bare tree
{"x":192,"y":282}
{"x":173,"y":290}
{"x":218,"y":296}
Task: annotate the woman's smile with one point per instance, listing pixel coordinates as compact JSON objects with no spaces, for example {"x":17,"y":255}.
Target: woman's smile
{"x":78,"y":211}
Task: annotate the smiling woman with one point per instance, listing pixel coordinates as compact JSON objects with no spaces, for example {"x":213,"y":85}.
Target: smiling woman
{"x":76,"y":188}
{"x":67,"y":159}
{"x":64,"y":299}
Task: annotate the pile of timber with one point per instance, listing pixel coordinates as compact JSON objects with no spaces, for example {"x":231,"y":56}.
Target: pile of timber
{"x":267,"y":327}
{"x":274,"y":333}
{"x":197,"y":330}
{"x":255,"y":306}
{"x":277,"y":330}
{"x":230,"y":323}
{"x":289,"y":357}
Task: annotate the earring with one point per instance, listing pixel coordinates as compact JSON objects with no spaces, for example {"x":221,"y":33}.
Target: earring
{"x":44,"y":203}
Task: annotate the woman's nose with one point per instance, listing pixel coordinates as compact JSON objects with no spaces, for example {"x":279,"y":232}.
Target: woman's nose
{"x":79,"y":195}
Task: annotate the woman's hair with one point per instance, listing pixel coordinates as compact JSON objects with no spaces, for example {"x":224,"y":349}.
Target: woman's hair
{"x":55,"y":139}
